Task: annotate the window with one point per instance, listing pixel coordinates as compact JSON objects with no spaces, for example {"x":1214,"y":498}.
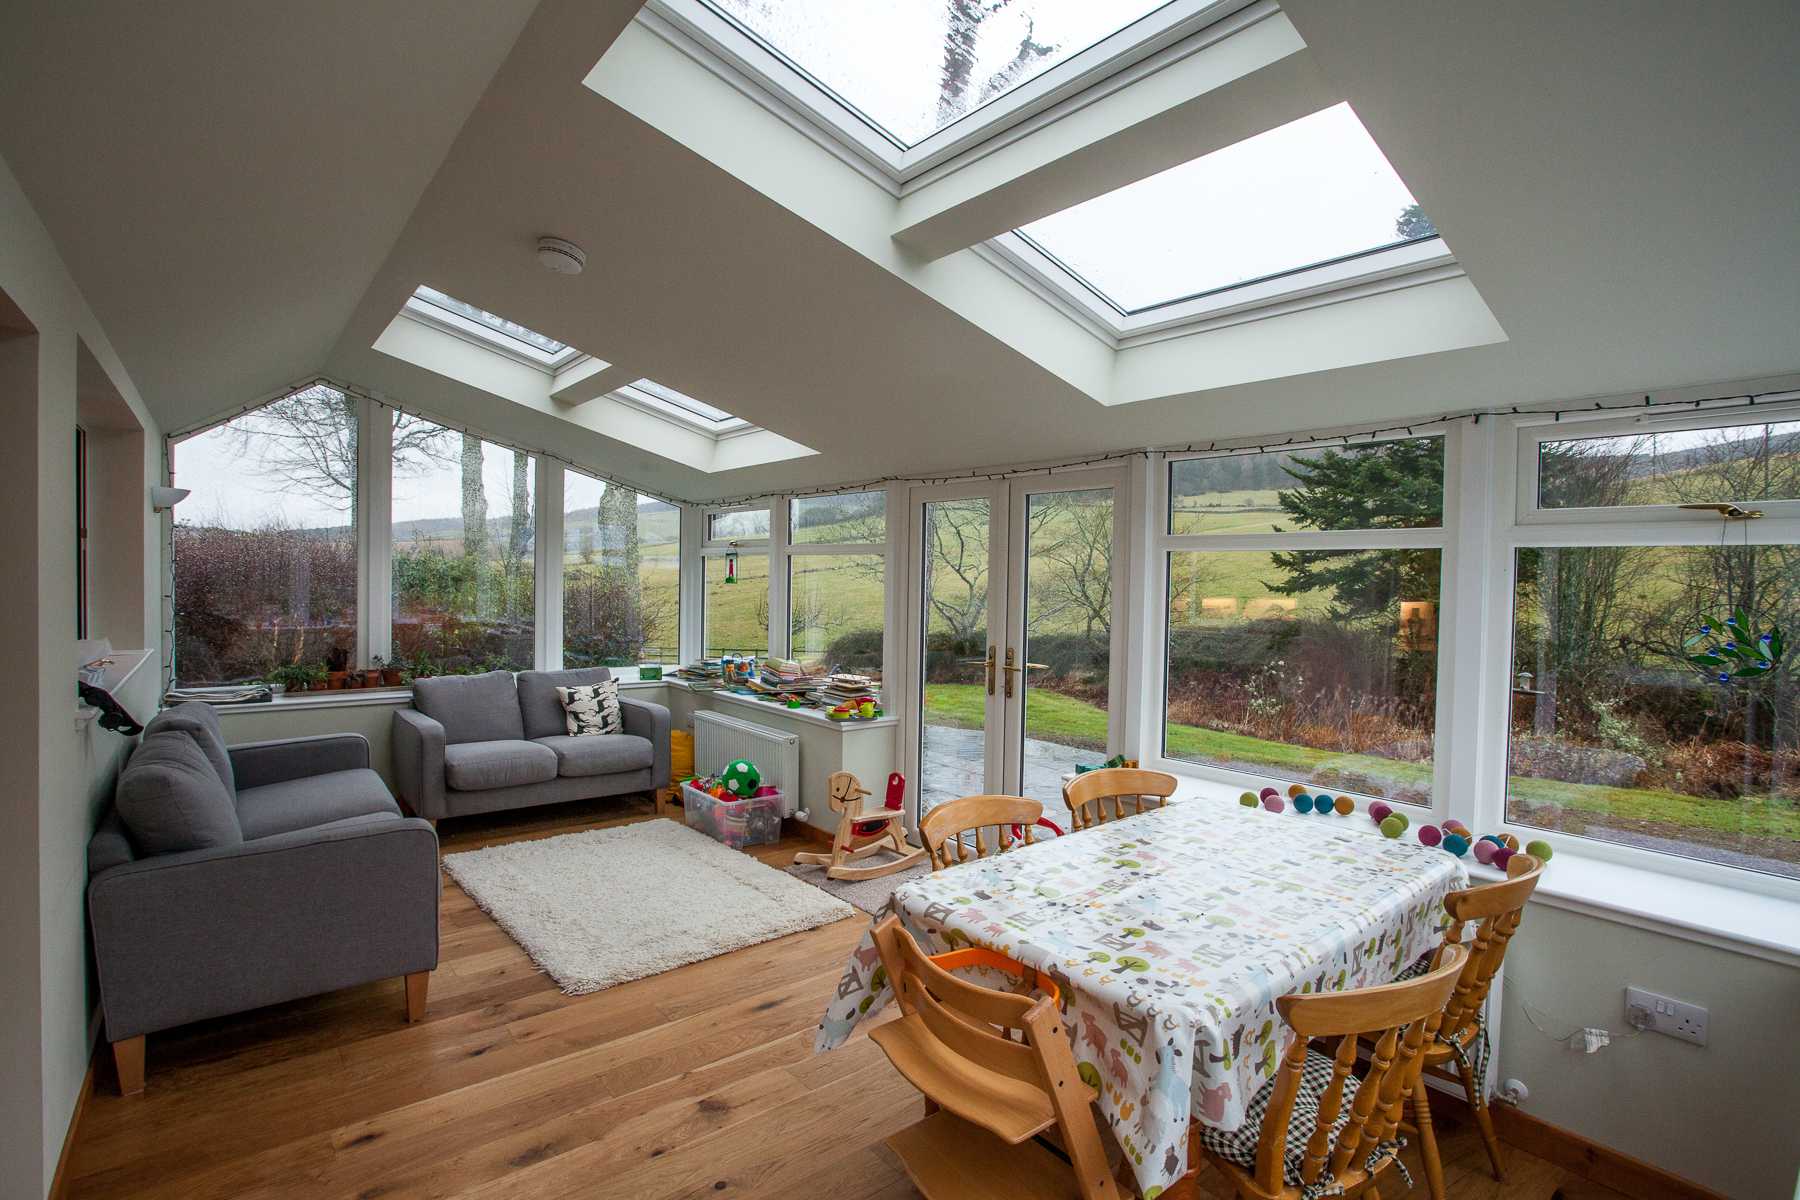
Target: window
{"x":1619,"y":735}
{"x":741,"y":525}
{"x":490,"y":329}
{"x":265,"y":548}
{"x":1314,"y":192}
{"x":621,"y":575}
{"x":1302,"y":609}
{"x":909,"y":70}
{"x":464,"y":574}
{"x":1652,"y":466}
{"x":666,"y":401}
{"x":735,"y":585}
{"x":837,"y":598}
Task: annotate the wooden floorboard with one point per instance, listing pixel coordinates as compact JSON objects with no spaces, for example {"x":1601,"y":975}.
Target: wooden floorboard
{"x":697,"y":1082}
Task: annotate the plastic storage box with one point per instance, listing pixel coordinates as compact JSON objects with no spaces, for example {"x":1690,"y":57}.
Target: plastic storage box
{"x":738,"y":823}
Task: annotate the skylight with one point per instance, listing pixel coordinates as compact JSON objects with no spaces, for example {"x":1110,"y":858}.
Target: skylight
{"x":912,"y":68}
{"x":1314,"y":192}
{"x":459,"y":316}
{"x":647,"y":393}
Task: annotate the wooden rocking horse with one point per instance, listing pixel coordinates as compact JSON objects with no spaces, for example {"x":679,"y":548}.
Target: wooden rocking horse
{"x":861,"y":833}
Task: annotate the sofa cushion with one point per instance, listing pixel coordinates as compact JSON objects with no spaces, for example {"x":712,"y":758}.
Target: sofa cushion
{"x":471,"y":708}
{"x":478,"y":766}
{"x":314,"y":800}
{"x":171,"y":798}
{"x":592,"y":709}
{"x":200,"y":722}
{"x":609,"y":755}
{"x":542,"y":709}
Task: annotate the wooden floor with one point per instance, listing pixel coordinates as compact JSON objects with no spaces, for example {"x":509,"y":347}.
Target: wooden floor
{"x":701,"y":1081}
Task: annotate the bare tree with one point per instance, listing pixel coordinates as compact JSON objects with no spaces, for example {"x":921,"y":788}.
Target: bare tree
{"x":957,"y":76}
{"x":1072,"y":571}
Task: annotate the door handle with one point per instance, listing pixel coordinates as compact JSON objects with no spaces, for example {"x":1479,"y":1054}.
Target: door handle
{"x":1013,"y":668}
{"x":989,"y":661}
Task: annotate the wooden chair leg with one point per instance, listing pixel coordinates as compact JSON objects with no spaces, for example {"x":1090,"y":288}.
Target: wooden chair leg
{"x":1428,"y":1147}
{"x":1483,"y":1120}
{"x":418,"y":984}
{"x":128,"y":1058}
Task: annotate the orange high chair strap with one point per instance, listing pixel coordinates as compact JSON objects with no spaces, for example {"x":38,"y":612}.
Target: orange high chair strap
{"x":978,"y":956}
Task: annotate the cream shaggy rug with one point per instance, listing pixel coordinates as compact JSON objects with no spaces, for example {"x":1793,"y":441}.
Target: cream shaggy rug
{"x":606,"y":906}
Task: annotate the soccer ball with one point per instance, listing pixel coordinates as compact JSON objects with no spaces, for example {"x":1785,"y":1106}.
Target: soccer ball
{"x":741,"y":778}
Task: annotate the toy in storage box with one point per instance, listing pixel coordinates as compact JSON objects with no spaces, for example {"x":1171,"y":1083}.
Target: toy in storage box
{"x":755,"y":821}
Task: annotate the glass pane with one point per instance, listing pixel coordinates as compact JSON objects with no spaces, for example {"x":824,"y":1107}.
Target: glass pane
{"x":911,"y":69}
{"x":620,"y":576}
{"x":1687,"y":466}
{"x":494,"y":321}
{"x":465,"y":593}
{"x":736,"y":615}
{"x":953,"y":709}
{"x":1068,"y":629}
{"x":1316,"y":667}
{"x":265,"y":548}
{"x":1310,"y":192}
{"x":680,"y":403}
{"x":1618,"y":736}
{"x":1383,"y":485}
{"x":853,"y":517}
{"x":749,"y":525}
{"x":837,"y":605}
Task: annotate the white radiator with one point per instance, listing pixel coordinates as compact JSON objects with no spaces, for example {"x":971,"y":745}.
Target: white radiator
{"x":719,"y":739}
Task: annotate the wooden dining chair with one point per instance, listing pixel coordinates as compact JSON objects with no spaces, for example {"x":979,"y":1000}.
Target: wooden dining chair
{"x":1494,"y":909}
{"x":942,"y":828}
{"x":997,"y":1070}
{"x":1091,"y":793}
{"x":1315,"y":1128}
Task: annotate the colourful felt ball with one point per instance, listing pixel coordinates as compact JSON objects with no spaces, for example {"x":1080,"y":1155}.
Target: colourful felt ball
{"x":1393,"y":825}
{"x":1431,"y":835}
{"x":1274,"y":803}
{"x":1494,"y":838}
{"x":1484,"y":851}
{"x":1296,"y":790}
{"x":1378,"y":811}
{"x":1345,"y":806}
{"x":1268,"y":792}
{"x":1248,"y":800}
{"x":1512,"y":843}
{"x":1455,"y":826}
{"x":1322,"y":805}
{"x":1502,"y":856}
{"x":1303,"y":803}
{"x":1405,"y":821}
{"x":1539,"y":849}
{"x":1456,"y":844}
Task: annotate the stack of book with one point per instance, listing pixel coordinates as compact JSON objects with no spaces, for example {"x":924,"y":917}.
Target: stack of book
{"x":845,"y":686}
{"x":705,"y":675}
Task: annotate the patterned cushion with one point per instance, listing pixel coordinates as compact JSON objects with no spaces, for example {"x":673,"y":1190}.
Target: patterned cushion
{"x":592,"y":709}
{"x":1239,"y":1145}
{"x":1475,"y":1047}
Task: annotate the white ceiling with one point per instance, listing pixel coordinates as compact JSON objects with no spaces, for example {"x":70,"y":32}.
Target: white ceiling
{"x":247,"y":200}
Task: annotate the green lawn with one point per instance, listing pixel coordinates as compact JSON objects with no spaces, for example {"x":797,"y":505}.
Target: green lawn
{"x":1065,"y":719}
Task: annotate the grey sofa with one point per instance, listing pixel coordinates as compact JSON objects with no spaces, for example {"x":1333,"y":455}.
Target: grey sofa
{"x":221,"y":880}
{"x":483,"y":743}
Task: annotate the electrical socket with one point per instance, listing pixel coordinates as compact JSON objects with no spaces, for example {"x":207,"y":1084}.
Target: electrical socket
{"x":1665,"y":1015}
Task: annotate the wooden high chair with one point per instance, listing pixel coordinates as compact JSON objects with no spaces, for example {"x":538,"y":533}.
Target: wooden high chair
{"x":1088,"y":794}
{"x":1496,"y":909}
{"x":1315,"y":1127}
{"x":860,"y":834}
{"x":943,"y":826}
{"x":988,"y":1095}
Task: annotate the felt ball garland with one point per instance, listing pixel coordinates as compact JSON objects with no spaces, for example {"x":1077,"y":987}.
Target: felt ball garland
{"x":1452,"y":835}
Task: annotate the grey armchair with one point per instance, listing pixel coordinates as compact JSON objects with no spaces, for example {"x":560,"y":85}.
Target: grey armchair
{"x":484,"y":743}
{"x":224,"y":879}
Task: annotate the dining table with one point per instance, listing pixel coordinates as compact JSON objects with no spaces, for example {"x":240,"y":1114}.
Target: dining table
{"x":1170,"y":935}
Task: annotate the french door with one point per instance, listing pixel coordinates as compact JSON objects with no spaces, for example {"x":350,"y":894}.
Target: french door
{"x":1015,"y":652}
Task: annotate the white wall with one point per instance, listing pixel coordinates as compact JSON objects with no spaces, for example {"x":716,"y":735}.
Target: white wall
{"x":1722,"y":1114}
{"x":56,"y":774}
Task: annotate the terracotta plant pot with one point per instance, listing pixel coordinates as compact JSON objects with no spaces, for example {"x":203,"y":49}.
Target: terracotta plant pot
{"x":338,"y":680}
{"x":371,"y":678}
{"x":392,"y":677}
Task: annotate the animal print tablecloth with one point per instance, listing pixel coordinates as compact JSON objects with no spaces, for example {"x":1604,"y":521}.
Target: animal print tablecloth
{"x":1171,"y":934}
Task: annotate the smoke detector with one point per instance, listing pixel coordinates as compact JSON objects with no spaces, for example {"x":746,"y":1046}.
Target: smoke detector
{"x":565,"y":258}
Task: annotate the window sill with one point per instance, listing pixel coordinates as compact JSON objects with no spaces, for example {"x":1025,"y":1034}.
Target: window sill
{"x":1743,"y":922}
{"x":360,"y":697}
{"x":812,"y":716}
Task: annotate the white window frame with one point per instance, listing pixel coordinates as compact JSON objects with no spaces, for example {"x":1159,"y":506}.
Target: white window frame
{"x":1521,"y":525}
{"x":1151,"y":43}
{"x":711,"y":547}
{"x":795,"y":550}
{"x":1452,"y":655}
{"x":469,"y":330}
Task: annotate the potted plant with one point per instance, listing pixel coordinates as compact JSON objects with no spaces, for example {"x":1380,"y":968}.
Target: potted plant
{"x":337,"y":667}
{"x":391,"y":674}
{"x":290,"y":677}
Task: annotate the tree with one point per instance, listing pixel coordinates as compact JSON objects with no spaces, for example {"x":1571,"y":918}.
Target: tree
{"x":956,"y":540}
{"x":616,"y":518}
{"x":1076,"y":557}
{"x":960,"y":54}
{"x":1412,"y":224}
{"x":474,"y":500}
{"x":1388,"y":485}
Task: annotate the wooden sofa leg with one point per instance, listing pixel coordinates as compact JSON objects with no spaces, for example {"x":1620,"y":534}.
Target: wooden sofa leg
{"x":417,"y":985}
{"x":128,"y":1058}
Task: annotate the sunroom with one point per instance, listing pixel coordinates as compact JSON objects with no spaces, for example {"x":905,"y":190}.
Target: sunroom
{"x":1004,"y":598}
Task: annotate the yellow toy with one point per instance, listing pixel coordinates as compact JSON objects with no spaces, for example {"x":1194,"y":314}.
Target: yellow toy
{"x":861,"y":833}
